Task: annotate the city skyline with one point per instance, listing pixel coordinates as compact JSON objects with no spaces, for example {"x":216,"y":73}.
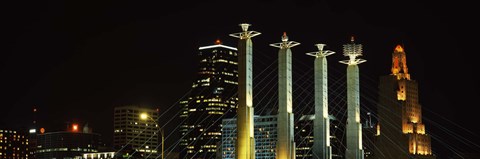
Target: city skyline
{"x":75,"y":62}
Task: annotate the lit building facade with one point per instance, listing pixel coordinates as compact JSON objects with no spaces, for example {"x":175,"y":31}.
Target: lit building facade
{"x":265,"y":137}
{"x":66,"y":144}
{"x":13,"y":144}
{"x":99,"y":155}
{"x":213,"y":98}
{"x":401,"y":133}
{"x":304,"y":137}
{"x":32,"y":143}
{"x":133,"y":132}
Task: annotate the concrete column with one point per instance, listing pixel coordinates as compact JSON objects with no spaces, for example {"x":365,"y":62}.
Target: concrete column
{"x":245,"y":145}
{"x":354,"y":126}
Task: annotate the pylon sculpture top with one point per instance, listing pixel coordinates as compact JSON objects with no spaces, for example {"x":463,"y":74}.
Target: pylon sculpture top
{"x":285,"y":43}
{"x":352,"y":50}
{"x":320,"y":52}
{"x":245,"y":34}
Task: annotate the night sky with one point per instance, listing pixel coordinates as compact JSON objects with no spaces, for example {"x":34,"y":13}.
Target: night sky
{"x":75,"y":61}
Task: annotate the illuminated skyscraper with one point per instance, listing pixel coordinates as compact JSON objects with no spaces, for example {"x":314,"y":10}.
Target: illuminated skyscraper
{"x":401,"y":133}
{"x":213,"y":98}
{"x":13,"y":144}
{"x":135,"y":131}
{"x":265,"y":137}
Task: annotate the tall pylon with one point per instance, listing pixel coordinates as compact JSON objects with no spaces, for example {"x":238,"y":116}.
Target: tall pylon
{"x":285,"y":146}
{"x":245,"y":145}
{"x":321,"y":132}
{"x":354,"y":126}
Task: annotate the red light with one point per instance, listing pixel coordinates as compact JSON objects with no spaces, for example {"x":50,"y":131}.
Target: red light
{"x":75,"y":127}
{"x":399,"y":48}
{"x":42,"y":130}
{"x":218,"y":42}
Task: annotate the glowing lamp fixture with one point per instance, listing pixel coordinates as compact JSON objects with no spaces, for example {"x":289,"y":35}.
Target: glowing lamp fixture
{"x":218,"y":42}
{"x":144,"y":116}
{"x":74,"y":127}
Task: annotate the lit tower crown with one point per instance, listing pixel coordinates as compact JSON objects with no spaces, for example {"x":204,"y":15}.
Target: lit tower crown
{"x":245,"y":145}
{"x":399,"y":63}
{"x":321,"y":142}
{"x":354,"y":127}
{"x":352,"y":50}
{"x":285,"y":136}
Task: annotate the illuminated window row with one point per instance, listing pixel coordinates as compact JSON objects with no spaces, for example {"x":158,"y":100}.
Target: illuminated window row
{"x":217,"y":104}
{"x":231,"y":82}
{"x":204,"y":80}
{"x":212,"y":100}
{"x":8,"y":131}
{"x":227,"y":73}
{"x":206,"y":72}
{"x":215,"y":112}
{"x":214,"y":133}
{"x":214,"y":108}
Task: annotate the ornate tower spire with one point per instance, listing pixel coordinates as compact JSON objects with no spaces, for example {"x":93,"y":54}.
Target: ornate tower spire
{"x":399,"y":63}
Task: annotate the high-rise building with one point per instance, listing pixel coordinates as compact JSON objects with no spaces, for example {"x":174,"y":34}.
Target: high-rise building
{"x":304,"y":137}
{"x":401,"y":133}
{"x":68,"y":144}
{"x":265,"y":137}
{"x":136,"y":128}
{"x":213,"y":97}
{"x":13,"y":144}
{"x":32,"y":142}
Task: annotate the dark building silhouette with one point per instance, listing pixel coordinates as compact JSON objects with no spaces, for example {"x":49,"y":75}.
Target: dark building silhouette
{"x":66,"y":144}
{"x":467,"y":156}
{"x":369,"y":133}
{"x":401,"y":133}
{"x":32,"y":135}
{"x":213,"y":98}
